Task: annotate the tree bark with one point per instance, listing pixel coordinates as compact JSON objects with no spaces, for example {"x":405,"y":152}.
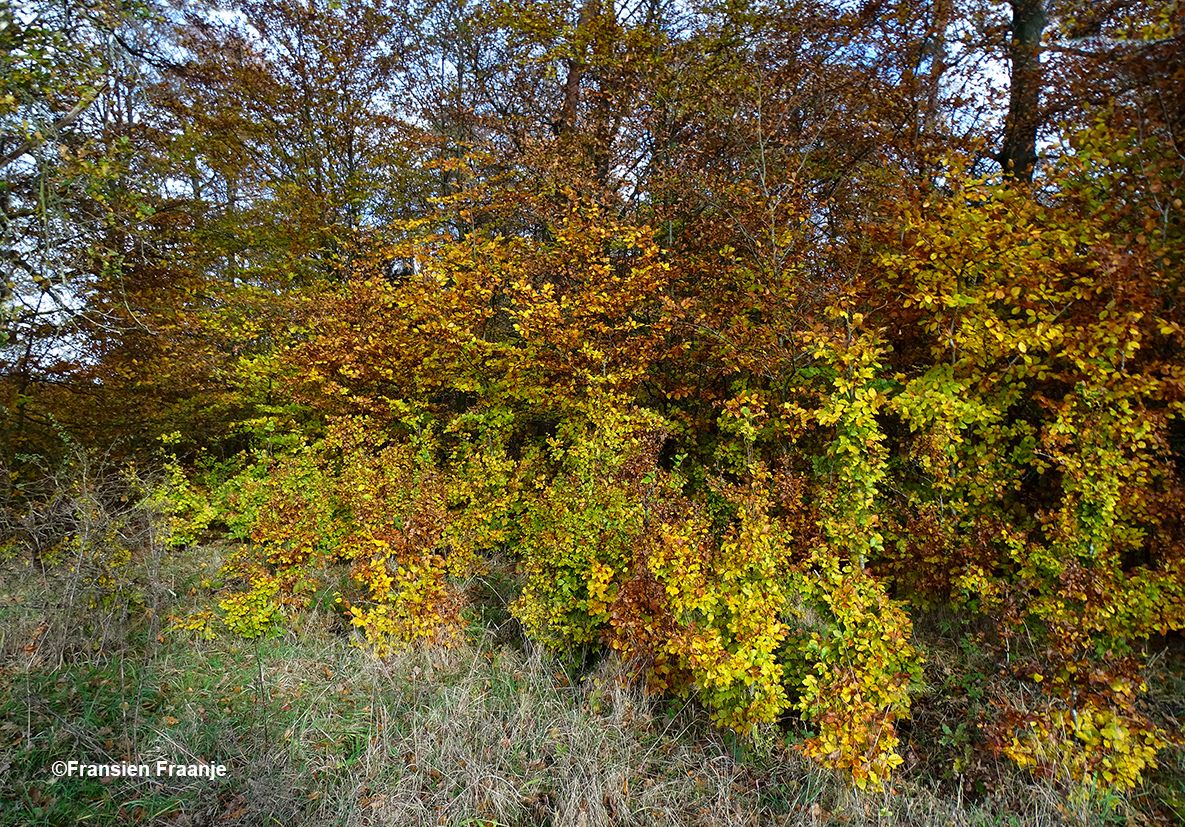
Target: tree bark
{"x":1018,"y":155}
{"x":576,"y":68}
{"x":936,"y":46}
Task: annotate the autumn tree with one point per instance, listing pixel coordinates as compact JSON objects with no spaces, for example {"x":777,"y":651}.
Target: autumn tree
{"x":86,"y":223}
{"x":294,"y":144}
{"x":752,"y":332}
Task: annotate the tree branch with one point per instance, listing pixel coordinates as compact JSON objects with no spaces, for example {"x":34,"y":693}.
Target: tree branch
{"x":62,"y":123}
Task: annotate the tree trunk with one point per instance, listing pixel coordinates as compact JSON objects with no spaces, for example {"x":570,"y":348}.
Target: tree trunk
{"x":936,"y":46}
{"x":576,"y":68}
{"x":1018,"y":155}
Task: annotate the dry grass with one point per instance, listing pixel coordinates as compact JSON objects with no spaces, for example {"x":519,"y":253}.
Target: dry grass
{"x":317,"y":731}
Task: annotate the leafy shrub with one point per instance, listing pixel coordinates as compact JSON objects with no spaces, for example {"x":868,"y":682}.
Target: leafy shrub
{"x":578,"y":530}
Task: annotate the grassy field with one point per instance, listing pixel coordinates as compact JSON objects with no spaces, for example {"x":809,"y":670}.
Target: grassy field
{"x":313,"y":729}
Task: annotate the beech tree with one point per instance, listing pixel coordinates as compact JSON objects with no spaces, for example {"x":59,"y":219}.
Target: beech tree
{"x":80,"y":202}
{"x":751,"y":331}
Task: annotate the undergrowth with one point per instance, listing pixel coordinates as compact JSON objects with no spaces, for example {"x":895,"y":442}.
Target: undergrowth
{"x":101,"y":662}
{"x":491,"y":731}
